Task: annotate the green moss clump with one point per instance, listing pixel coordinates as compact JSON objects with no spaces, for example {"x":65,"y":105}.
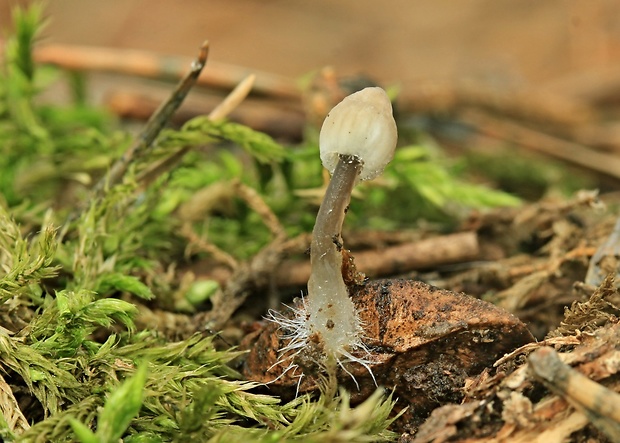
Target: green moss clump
{"x":75,"y":367}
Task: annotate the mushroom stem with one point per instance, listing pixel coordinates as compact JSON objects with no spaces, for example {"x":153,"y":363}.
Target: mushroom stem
{"x":331,"y":311}
{"x":357,"y":141}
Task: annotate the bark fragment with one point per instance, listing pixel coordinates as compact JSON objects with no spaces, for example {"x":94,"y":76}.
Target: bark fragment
{"x":424,"y":343}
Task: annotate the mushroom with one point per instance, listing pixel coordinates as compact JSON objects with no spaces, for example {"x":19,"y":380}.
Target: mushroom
{"x":357,"y":141}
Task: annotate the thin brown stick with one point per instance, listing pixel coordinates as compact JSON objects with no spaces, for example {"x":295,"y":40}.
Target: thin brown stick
{"x":153,"y":65}
{"x":530,"y":347}
{"x":247,"y":278}
{"x":551,"y":266}
{"x":595,"y":85}
{"x":258,"y":205}
{"x":150,"y":132}
{"x":423,"y":254}
{"x":398,"y":259}
{"x":155,"y":124}
{"x":234,"y":99}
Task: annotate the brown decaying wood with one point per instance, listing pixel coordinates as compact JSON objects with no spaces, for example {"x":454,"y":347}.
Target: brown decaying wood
{"x":599,"y":404}
{"x":423,"y":341}
{"x":424,"y":254}
{"x":551,"y":418}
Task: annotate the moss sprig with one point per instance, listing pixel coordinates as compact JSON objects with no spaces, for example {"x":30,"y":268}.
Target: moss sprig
{"x":24,"y":264}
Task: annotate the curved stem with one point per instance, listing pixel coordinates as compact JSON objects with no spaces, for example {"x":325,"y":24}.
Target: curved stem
{"x":328,"y":227}
{"x":331,"y":311}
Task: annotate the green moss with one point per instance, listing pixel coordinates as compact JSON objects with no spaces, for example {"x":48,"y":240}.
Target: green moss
{"x":74,"y":269}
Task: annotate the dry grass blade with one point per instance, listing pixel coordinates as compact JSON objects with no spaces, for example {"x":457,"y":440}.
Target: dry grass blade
{"x":234,"y":99}
{"x":13,"y":416}
{"x":218,"y":254}
{"x":255,"y":201}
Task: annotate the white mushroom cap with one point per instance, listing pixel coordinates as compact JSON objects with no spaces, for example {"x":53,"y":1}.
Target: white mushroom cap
{"x":361,"y":125}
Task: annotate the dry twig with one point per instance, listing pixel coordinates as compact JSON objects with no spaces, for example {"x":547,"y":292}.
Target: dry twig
{"x":399,"y":259}
{"x":599,"y":404}
{"x":246,"y":278}
{"x":423,"y":254}
{"x":152,"y":65}
{"x":234,"y":99}
{"x":281,"y":121}
{"x":150,"y":132}
{"x":155,"y":124}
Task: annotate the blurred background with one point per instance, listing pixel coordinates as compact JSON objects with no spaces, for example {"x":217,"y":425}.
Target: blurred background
{"x":539,"y":77}
{"x":513,"y":42}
